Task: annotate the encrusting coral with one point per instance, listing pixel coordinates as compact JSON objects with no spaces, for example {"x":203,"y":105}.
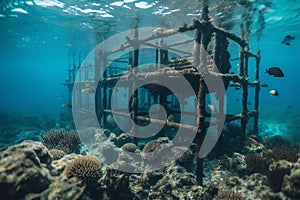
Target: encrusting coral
{"x":86,"y":168}
{"x":67,"y":141}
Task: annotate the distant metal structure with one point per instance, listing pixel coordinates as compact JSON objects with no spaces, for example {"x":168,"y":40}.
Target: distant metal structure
{"x":204,"y":33}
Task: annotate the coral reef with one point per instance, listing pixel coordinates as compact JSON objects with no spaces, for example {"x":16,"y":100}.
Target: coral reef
{"x":30,"y":171}
{"x":22,"y":170}
{"x":278,"y":141}
{"x":15,"y":128}
{"x":229,"y":195}
{"x":62,"y":188}
{"x":257,"y":163}
{"x":86,"y":168}
{"x":57,"y":154}
{"x":291,"y":183}
{"x":67,"y":141}
{"x":289,"y":153}
{"x":59,"y":166}
{"x":123,"y":139}
{"x":276,"y":173}
{"x":130,"y":147}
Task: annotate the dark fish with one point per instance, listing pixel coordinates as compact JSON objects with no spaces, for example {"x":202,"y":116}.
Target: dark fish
{"x":67,"y":105}
{"x":264,"y":85}
{"x":275,"y":71}
{"x":170,"y":118}
{"x":287,"y":40}
{"x":274,"y":93}
{"x":289,"y":107}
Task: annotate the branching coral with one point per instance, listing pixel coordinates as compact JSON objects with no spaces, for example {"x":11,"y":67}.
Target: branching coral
{"x":258,"y":163}
{"x":86,"y":168}
{"x":276,"y":141}
{"x":57,"y":154}
{"x":286,"y":153}
{"x":67,"y":141}
{"x":282,"y":149}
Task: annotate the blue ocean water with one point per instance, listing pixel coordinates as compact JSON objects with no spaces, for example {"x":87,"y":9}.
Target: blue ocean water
{"x":39,"y":39}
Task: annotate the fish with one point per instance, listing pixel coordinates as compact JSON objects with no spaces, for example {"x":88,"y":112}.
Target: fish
{"x":289,"y":107}
{"x":114,"y":89}
{"x":88,"y":84}
{"x":170,"y":118}
{"x":212,"y":108}
{"x":88,"y":90}
{"x":184,"y":102}
{"x":275,"y":71}
{"x":264,"y":85}
{"x":274,"y":93}
{"x":145,"y":105}
{"x":67,"y":105}
{"x":287,"y":40}
{"x":253,"y":140}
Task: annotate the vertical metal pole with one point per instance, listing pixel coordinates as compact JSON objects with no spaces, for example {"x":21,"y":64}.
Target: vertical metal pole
{"x":104,"y":117}
{"x":197,"y":48}
{"x":246,"y":61}
{"x":201,"y":130}
{"x":244,"y":85}
{"x":98,"y":94}
{"x":156,"y":57}
{"x":135,"y":102}
{"x":256,"y":96}
{"x":161,"y":53}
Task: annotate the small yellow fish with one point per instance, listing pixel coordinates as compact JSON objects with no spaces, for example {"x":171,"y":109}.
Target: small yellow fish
{"x":88,"y":90}
{"x":67,"y":105}
{"x":212,"y":108}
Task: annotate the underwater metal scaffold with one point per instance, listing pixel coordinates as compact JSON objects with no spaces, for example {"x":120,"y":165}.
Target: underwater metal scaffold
{"x":204,"y":32}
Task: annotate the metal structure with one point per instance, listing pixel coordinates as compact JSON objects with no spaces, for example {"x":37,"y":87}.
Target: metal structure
{"x":205,"y":32}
